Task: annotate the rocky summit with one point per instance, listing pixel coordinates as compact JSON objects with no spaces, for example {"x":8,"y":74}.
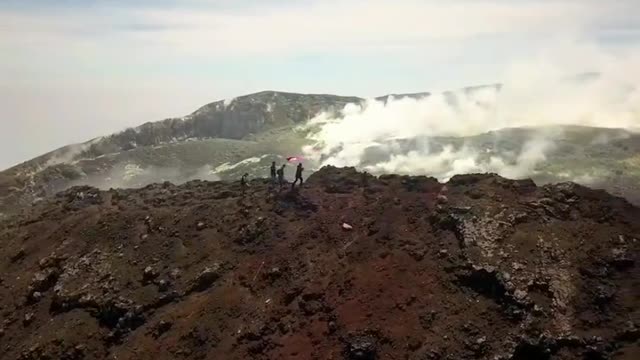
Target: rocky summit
{"x":350,"y":266}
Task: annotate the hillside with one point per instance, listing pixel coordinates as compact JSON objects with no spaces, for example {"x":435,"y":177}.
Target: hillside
{"x":349,"y":267}
{"x":216,"y":133}
{"x":176,"y":149}
{"x":224,"y":139}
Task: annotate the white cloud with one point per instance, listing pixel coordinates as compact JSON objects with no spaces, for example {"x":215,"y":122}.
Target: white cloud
{"x":352,"y":25}
{"x":359,"y":25}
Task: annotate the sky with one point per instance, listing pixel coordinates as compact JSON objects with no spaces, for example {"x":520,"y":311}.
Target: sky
{"x":72,"y":70}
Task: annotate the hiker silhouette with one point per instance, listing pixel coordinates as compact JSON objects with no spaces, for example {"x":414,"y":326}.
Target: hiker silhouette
{"x":299,"y":170}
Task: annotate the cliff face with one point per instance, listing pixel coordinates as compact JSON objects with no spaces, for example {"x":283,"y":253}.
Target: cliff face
{"x":348,"y":267}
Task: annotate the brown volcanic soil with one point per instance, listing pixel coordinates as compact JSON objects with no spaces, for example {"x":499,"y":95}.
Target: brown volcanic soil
{"x":479,"y":268}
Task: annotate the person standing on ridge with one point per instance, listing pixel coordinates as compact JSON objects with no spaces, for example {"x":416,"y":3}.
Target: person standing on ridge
{"x":273,"y":173}
{"x":280,"y":173}
{"x":299,"y":170}
{"x":243,"y":183}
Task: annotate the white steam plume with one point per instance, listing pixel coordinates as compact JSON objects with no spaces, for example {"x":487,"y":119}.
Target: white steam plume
{"x":587,"y":87}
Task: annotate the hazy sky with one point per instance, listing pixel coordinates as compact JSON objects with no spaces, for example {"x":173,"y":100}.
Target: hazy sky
{"x":71,"y":70}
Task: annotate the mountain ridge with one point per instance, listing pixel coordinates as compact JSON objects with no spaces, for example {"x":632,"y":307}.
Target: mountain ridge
{"x":225,"y":138}
{"x":128,"y":141}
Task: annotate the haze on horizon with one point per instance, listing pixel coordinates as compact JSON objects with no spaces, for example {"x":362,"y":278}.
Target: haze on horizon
{"x":73,"y":70}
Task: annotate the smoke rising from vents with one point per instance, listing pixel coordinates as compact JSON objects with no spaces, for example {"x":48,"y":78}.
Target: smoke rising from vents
{"x":423,"y":136}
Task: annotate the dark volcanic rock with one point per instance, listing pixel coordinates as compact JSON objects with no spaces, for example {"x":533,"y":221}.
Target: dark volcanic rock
{"x":500,"y":270}
{"x":362,"y":348}
{"x":206,"y":278}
